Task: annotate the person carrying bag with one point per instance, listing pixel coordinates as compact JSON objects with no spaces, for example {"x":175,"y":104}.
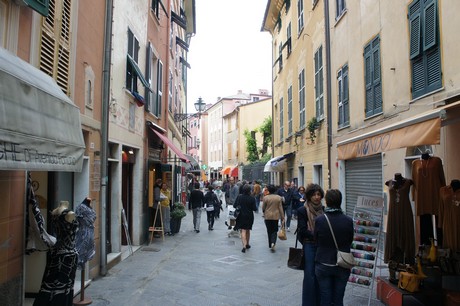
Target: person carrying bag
{"x":296,"y":259}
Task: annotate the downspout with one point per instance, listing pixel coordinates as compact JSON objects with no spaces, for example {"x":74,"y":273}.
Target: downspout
{"x":105,"y":132}
{"x":327,"y":37}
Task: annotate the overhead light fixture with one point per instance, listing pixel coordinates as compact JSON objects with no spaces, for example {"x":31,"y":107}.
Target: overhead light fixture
{"x":131,"y":151}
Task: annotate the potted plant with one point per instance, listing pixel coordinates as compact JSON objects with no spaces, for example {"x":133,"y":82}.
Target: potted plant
{"x":177,"y":213}
{"x":312,"y":126}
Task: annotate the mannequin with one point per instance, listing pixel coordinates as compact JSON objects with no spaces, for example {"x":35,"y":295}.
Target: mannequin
{"x":455,"y":184}
{"x":400,"y":236}
{"x":59,"y":276}
{"x":64,"y":205}
{"x":84,"y":239}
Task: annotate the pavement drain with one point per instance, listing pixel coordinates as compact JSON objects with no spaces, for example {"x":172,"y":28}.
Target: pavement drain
{"x":226,"y":242}
{"x":150,"y":249}
{"x":237,"y":261}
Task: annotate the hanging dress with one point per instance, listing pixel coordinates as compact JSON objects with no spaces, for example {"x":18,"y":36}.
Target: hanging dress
{"x":84,"y":239}
{"x":400,"y":236}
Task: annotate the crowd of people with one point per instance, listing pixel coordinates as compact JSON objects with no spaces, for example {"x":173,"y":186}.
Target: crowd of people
{"x":324,"y":281}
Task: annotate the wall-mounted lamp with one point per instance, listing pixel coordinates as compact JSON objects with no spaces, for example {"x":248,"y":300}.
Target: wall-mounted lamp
{"x":200,"y":107}
{"x":131,"y":151}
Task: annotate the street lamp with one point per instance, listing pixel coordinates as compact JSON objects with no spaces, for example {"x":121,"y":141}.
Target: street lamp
{"x":200,"y":107}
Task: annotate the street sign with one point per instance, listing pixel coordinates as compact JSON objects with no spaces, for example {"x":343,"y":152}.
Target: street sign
{"x":204,"y":167}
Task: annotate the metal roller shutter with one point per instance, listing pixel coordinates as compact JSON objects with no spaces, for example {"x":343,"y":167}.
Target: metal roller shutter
{"x":363,"y":176}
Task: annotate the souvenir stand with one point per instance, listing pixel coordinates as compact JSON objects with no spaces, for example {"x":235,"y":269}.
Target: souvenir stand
{"x":367,"y":219}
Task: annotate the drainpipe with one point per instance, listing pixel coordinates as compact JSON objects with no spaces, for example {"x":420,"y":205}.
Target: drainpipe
{"x":105,"y":132}
{"x":327,"y":37}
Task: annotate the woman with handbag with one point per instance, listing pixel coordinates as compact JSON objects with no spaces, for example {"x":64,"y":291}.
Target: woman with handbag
{"x":306,"y":215}
{"x":211,"y":203}
{"x":272,"y":208}
{"x":332,"y":279}
{"x":245,"y":219}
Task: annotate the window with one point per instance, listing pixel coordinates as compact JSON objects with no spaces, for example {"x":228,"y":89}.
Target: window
{"x":133,"y":73}
{"x":341,"y":6}
{"x":154,"y":77}
{"x":300,"y":16}
{"x":280,"y":57}
{"x":319,"y":84}
{"x":156,"y":8}
{"x":289,"y":93}
{"x":170,"y":94}
{"x":281,"y":119}
{"x":302,"y":99}
{"x":288,"y":41}
{"x":425,"y":48}
{"x":55,"y":43}
{"x":372,"y":78}
{"x":288,"y":5}
{"x":344,"y":107}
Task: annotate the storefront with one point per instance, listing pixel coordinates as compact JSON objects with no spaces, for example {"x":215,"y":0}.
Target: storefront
{"x":422,"y":152}
{"x":40,"y":135}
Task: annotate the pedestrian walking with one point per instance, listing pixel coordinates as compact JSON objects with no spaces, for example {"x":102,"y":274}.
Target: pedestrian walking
{"x":245,"y":219}
{"x":272,"y":209}
{"x":332,"y":279}
{"x":221,"y":200}
{"x":257,"y":194}
{"x":286,"y":193}
{"x":305,"y":229}
{"x":211,"y":202}
{"x":196,"y":203}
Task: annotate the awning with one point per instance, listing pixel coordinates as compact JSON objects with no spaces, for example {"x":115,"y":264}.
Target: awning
{"x":193,"y":166}
{"x":226,"y":170}
{"x":277,"y":164}
{"x":423,"y":129}
{"x":171,"y":145}
{"x":234,"y":172}
{"x":40,"y":127}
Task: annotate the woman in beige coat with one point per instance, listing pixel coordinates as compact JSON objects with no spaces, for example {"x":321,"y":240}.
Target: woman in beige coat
{"x":272,"y":209}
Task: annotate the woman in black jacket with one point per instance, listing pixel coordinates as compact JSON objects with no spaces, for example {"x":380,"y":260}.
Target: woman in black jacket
{"x":245,"y":219}
{"x":196,"y":202}
{"x":332,"y":279}
{"x":212,"y":205}
{"x":306,"y":215}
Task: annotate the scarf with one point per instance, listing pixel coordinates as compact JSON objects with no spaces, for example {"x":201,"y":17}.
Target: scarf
{"x":313,"y":211}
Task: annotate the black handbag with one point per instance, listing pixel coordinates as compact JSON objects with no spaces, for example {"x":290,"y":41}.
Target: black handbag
{"x":296,"y":260}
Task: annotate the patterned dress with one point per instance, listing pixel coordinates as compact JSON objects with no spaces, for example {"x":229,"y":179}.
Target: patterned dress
{"x":84,"y":239}
{"x":59,"y":276}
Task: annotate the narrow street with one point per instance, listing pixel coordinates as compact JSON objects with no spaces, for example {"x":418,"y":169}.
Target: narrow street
{"x":207,"y":268}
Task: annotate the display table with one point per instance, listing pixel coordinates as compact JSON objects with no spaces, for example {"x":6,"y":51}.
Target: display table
{"x":391,"y":295}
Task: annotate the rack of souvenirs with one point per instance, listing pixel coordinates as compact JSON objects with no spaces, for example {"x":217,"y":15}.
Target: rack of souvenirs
{"x":367,"y":218}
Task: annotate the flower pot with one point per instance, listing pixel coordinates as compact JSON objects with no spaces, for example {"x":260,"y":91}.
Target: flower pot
{"x":175,"y":225}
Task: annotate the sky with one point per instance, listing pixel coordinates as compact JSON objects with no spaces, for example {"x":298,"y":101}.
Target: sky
{"x":228,"y":52}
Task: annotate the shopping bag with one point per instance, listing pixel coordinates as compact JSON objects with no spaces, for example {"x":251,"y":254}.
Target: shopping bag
{"x":282,"y":234}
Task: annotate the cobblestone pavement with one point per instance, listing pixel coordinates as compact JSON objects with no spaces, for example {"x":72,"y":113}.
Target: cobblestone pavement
{"x":208,"y":268}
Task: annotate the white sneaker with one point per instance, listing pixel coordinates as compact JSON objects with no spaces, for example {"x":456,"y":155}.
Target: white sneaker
{"x":273,"y":247}
{"x":288,"y":229}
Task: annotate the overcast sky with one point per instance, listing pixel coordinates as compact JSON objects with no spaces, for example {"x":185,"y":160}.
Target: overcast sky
{"x":228,"y":52}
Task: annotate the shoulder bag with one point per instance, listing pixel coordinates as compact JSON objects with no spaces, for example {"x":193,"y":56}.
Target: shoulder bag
{"x":296,"y":260}
{"x":344,"y":259}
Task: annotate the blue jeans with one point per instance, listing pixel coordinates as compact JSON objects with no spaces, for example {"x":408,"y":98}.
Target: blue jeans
{"x":310,"y":288}
{"x":332,"y":282}
{"x":288,"y":214}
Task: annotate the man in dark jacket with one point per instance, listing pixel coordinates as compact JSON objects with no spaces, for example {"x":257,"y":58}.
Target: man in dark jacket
{"x":196,"y":203}
{"x":287,"y":194}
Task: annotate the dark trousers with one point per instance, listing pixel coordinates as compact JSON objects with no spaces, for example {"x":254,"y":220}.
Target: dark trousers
{"x":332,"y":282}
{"x":210,"y":215}
{"x":272,"y":231}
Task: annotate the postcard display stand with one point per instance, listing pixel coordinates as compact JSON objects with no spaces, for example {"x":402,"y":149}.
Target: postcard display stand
{"x":367,"y":219}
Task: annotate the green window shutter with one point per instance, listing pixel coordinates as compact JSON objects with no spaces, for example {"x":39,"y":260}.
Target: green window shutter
{"x":40,"y":6}
{"x":346,"y":106}
{"x":377,"y":84}
{"x":434,"y":75}
{"x":429,"y":25}
{"x":414,"y":28}
{"x":418,"y":77}
{"x":368,"y":81}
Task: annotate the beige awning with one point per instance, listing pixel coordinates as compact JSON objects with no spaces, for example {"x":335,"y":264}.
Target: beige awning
{"x":423,"y":129}
{"x":40,"y":127}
